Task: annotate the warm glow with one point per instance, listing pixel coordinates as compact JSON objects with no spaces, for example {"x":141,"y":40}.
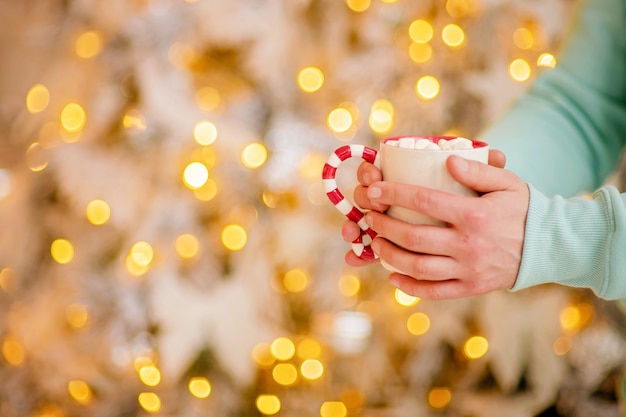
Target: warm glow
{"x":333,"y":409}
{"x":207,"y":192}
{"x":38,"y":98}
{"x":418,"y":324}
{"x":199,"y":387}
{"x":80,"y":391}
{"x":76,"y":315}
{"x":88,"y":44}
{"x":309,"y":348}
{"x":359,"y":5}
{"x":439,"y":397}
{"x":8,"y":280}
{"x":186,"y":246}
{"x":207,"y":98}
{"x":268,"y":404}
{"x":562,"y":345}
{"x":458,"y":8}
{"x":310,"y":79}
{"x":195,"y":175}
{"x":339,"y":120}
{"x":427,"y":87}
{"x":523,"y":38}
{"x":311,"y":165}
{"x":13,"y":351}
{"x":150,"y":375}
{"x":475,"y":347}
{"x":453,"y":35}
{"x":254,"y":155}
{"x":285,"y":374}
{"x":296,"y":280}
{"x":312,"y":369}
{"x":404,"y":299}
{"x":149,"y":401}
{"x":262,"y":355}
{"x":519,"y":69}
{"x":142,"y":253}
{"x":420,"y":52}
{"x":98,"y":212}
{"x":381,"y":116}
{"x":546,"y":60}
{"x":283,"y":348}
{"x":73,"y":117}
{"x":62,"y":251}
{"x":234,"y":237}
{"x":205,"y":133}
{"x":36,"y":157}
{"x":420,"y":31}
{"x":349,"y":285}
{"x":574,"y":317}
{"x":133,"y":267}
{"x":134,"y":120}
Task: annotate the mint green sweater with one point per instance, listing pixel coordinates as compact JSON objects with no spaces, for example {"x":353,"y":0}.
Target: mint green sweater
{"x":565,"y":136}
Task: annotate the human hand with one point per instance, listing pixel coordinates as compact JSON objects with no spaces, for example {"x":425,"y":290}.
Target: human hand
{"x":367,"y":174}
{"x":479,"y":251}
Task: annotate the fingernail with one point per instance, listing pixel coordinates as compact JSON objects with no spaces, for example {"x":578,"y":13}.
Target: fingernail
{"x":368,"y":219}
{"x":375,"y":246}
{"x":374,"y":192}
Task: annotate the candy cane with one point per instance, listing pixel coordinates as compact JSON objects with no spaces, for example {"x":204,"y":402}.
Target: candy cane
{"x":344,"y":206}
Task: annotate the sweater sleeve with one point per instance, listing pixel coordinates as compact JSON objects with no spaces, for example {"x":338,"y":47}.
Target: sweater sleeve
{"x":577,"y":242}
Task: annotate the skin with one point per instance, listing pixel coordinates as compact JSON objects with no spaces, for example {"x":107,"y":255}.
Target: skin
{"x":480,"y":250}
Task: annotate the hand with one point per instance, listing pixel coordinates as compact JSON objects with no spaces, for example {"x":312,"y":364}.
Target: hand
{"x":367,"y":174}
{"x":478,"y":252}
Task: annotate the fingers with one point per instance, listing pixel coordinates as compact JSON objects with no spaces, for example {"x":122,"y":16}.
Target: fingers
{"x":431,"y":290}
{"x":497,"y":158}
{"x":350,"y":231}
{"x":368,"y":174}
{"x":352,"y":260}
{"x":478,"y":176}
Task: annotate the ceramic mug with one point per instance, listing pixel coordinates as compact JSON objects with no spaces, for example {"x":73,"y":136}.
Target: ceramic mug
{"x":423,"y":166}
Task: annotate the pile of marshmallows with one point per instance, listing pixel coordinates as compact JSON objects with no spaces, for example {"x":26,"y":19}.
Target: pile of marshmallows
{"x":422,"y":143}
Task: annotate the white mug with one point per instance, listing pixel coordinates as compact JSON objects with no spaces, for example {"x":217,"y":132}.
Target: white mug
{"x":424,"y":167}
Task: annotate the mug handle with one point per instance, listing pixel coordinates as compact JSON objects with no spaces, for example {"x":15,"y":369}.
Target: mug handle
{"x":344,"y":206}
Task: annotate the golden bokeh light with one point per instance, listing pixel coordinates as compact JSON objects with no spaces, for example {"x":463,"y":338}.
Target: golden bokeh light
{"x":349,"y":285}
{"x":142,"y":253}
{"x":420,"y":52}
{"x":381,"y":116}
{"x":208,"y":98}
{"x":80,"y":391}
{"x":453,"y":35}
{"x":234,"y":237}
{"x":421,"y":31}
{"x":418,"y":324}
{"x":268,"y":404}
{"x":199,"y":387}
{"x":546,"y":60}
{"x":133,"y":267}
{"x":262,"y":355}
{"x":195,"y":175}
{"x":359,"y":5}
{"x":73,"y":117}
{"x":475,"y":347}
{"x":150,"y":375}
{"x":523,"y":38}
{"x":205,"y":133}
{"x":285,"y":374}
{"x":309,"y":348}
{"x":439,"y":397}
{"x":186,"y":246}
{"x":37,"y":98}
{"x":13,"y":351}
{"x":458,"y":8}
{"x":519,"y":70}
{"x":427,"y":87}
{"x":36,"y":157}
{"x":76,"y":315}
{"x":254,"y":155}
{"x":310,"y":79}
{"x":134,"y":120}
{"x":149,"y":401}
{"x":62,"y":251}
{"x":296,"y":280}
{"x":405,"y":299}
{"x":141,"y":361}
{"x":207,"y":191}
{"x":9,"y":280}
{"x":283,"y":348}
{"x":333,"y":409}
{"x":98,"y":212}
{"x":312,"y":369}
{"x":339,"y":120}
{"x":574,"y":317}
{"x":562,"y":345}
{"x":88,"y":44}
{"x":311,"y":165}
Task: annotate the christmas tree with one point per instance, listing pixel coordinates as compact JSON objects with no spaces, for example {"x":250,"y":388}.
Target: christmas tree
{"x":166,"y":245}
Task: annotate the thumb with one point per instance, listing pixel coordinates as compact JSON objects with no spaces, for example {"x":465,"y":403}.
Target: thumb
{"x":477,"y":175}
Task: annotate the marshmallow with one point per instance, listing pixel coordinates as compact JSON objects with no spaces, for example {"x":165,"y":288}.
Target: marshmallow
{"x":406,"y":143}
{"x":423,"y":143}
{"x":456,"y":143}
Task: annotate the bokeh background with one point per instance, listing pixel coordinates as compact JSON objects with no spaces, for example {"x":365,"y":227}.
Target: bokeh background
{"x":166,"y":246}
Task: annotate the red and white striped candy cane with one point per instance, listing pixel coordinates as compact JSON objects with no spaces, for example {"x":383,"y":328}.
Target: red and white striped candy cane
{"x":344,"y":206}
